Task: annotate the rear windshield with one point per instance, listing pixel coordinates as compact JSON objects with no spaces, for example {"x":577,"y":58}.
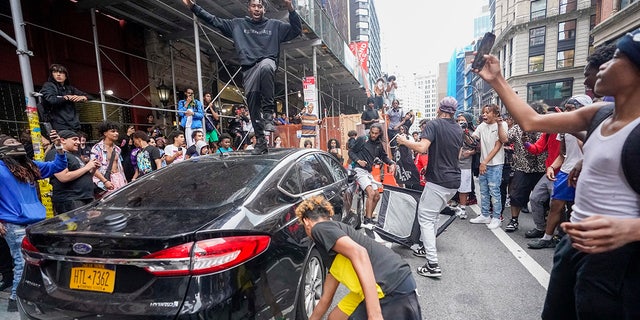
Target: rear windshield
{"x":202,"y":184}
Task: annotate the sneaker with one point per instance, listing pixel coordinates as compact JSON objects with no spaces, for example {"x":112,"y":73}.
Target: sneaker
{"x":260,"y":147}
{"x":419,"y":252}
{"x":12,"y":306}
{"x":453,"y":203}
{"x":495,"y":223}
{"x":507,"y":203}
{"x":460,"y":212}
{"x":512,"y":226}
{"x":534,"y":233}
{"x":367,"y":220}
{"x":431,"y":270}
{"x":481,"y":219}
{"x":268,"y":122}
{"x":541,"y":244}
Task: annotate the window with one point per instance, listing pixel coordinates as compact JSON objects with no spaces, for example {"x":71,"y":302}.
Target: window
{"x":362,"y":12}
{"x":592,"y":24}
{"x":567,"y":6}
{"x":362,"y":25}
{"x":565,"y":59}
{"x":291,"y":182}
{"x":363,"y":37}
{"x":536,"y":63}
{"x":537,"y":36}
{"x":552,"y":92}
{"x":313,"y":174}
{"x":567,"y":30}
{"x":538,"y":9}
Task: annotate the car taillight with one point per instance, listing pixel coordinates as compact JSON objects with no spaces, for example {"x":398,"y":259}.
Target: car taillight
{"x":208,"y":256}
{"x":28,"y":249}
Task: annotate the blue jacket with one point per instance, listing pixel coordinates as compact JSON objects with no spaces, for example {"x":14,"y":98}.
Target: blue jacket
{"x":198,"y":114}
{"x":19,"y":203}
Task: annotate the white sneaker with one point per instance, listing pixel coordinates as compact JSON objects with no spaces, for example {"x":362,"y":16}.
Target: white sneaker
{"x":481,"y":219}
{"x":495,"y":223}
{"x":461,"y":213}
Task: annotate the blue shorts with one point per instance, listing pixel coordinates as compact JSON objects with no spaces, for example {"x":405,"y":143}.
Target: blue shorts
{"x":561,"y":188}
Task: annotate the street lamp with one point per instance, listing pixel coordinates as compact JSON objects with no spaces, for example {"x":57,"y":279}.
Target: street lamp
{"x":163,"y":95}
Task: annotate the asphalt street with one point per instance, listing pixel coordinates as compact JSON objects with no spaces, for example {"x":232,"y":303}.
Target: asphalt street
{"x":486,"y":274}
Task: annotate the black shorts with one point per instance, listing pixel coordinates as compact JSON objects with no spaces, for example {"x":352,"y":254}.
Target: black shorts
{"x":521,"y":186}
{"x":400,"y":304}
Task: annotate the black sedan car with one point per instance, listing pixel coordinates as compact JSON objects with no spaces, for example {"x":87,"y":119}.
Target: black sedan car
{"x":209,"y":238}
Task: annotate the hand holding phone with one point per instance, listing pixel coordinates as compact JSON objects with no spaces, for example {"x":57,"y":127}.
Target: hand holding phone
{"x":483,"y":48}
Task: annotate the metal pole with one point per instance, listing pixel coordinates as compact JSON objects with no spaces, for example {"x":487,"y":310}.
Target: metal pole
{"x":286,"y":84}
{"x":96,"y":47}
{"x":196,"y":35}
{"x":173,"y":81}
{"x":25,"y":71}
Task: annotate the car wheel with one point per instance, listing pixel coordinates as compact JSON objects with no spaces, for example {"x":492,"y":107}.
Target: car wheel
{"x":311,"y":286}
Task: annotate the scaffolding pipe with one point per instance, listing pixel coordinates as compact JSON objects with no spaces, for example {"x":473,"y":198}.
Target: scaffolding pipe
{"x":96,"y":47}
{"x":25,"y":71}
{"x":196,"y":35}
{"x":286,"y":84}
{"x":173,"y":79}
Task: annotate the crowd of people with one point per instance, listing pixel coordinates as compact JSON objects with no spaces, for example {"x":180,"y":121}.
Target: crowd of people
{"x":548,"y":159}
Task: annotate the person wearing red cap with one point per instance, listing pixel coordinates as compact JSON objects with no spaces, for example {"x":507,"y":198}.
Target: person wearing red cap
{"x":596,"y":270}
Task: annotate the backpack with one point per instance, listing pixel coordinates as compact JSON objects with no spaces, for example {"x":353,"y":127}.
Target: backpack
{"x":630,"y":149}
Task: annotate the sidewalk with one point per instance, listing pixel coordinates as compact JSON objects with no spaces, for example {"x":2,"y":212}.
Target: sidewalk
{"x":4,"y":315}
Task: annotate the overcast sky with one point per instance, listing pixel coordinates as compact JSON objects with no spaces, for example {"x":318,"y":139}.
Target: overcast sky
{"x":419,"y":34}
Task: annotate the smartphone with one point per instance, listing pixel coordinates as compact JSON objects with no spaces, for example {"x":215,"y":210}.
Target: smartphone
{"x":483,"y":48}
{"x":179,"y":148}
{"x":47,"y":128}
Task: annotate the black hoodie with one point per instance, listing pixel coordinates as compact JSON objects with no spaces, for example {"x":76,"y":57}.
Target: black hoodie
{"x":62,"y":113}
{"x":254,"y":40}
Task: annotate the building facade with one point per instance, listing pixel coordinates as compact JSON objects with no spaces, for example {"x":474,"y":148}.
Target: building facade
{"x":365,"y":26}
{"x":542,"y":46}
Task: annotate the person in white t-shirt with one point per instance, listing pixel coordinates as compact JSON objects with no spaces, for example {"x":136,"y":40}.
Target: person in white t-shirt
{"x":176,"y":151}
{"x":492,"y":134}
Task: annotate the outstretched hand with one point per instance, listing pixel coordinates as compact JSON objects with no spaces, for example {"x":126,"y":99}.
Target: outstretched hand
{"x":491,"y":69}
{"x":188,"y":3}
{"x":598,"y":234}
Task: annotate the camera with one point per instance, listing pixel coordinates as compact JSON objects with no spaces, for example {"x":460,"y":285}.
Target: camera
{"x":463,"y":125}
{"x":179,"y":148}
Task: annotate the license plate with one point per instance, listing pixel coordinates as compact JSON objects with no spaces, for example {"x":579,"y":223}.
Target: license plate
{"x":93,"y":277}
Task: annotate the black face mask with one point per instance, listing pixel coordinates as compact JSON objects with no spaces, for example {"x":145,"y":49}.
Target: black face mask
{"x":12,"y":151}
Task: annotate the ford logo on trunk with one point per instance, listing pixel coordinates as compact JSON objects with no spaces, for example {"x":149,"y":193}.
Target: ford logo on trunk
{"x":82,"y":248}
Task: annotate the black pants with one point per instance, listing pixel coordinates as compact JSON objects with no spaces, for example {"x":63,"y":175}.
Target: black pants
{"x":400,"y":304}
{"x":258,"y":82}
{"x":594,"y":286}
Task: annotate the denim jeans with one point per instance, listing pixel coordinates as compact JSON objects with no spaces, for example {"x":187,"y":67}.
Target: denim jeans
{"x":15,"y":234}
{"x":490,"y":191}
{"x":433,"y":199}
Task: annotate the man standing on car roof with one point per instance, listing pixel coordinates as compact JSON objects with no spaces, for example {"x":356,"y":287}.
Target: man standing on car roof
{"x":257,"y":42}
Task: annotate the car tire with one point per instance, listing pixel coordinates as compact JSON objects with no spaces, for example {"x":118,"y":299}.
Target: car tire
{"x":311,"y":285}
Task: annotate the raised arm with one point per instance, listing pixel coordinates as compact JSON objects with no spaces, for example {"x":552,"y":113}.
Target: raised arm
{"x":224,"y":25}
{"x":526,"y":117}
